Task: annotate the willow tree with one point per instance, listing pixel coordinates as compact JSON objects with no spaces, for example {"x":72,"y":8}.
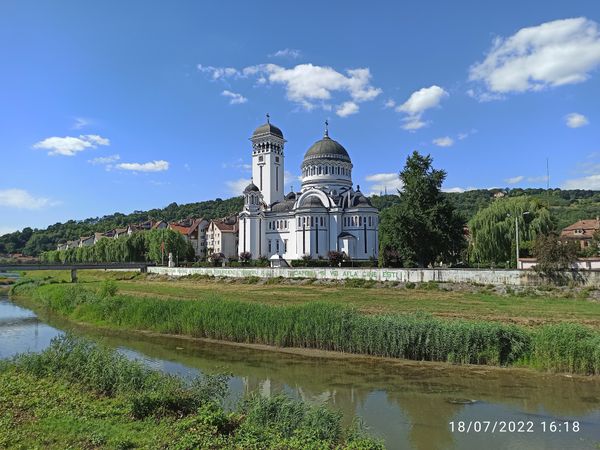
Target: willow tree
{"x":492,"y":229}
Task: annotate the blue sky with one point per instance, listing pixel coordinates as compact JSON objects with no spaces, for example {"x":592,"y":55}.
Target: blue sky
{"x":122,"y":106}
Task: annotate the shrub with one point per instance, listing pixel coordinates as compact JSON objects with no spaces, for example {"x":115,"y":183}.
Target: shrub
{"x":108,"y":289}
{"x":410,"y":285}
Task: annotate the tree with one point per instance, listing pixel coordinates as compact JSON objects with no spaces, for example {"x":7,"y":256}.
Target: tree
{"x":335,"y":258}
{"x":553,"y":256}
{"x":492,"y":230}
{"x":423,"y":227}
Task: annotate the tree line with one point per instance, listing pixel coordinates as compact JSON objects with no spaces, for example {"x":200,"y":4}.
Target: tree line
{"x":141,"y":246}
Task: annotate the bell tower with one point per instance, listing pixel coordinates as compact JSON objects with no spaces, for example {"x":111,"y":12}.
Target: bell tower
{"x":267,"y":161}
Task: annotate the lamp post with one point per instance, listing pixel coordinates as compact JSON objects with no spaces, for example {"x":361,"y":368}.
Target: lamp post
{"x":517,"y":235}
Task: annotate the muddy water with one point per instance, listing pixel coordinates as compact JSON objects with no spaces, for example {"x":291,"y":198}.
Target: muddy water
{"x":410,"y":405}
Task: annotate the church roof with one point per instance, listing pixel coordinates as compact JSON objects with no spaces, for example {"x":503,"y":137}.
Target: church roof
{"x":361,"y":201}
{"x":326,"y":148}
{"x":251,"y":188}
{"x":283,"y":206}
{"x":266,"y":129}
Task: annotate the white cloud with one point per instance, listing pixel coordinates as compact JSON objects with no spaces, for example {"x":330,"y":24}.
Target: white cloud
{"x":102,"y":160}
{"x":21,"y":199}
{"x":238,"y":164}
{"x":389,"y":103}
{"x":81,"y":122}
{"x":382,"y":182}
{"x":419,"y":102}
{"x":466,"y":134}
{"x":152,"y":166}
{"x":69,"y":145}
{"x":535,"y":58}
{"x":219,"y":72}
{"x":454,"y":190}
{"x":445,"y":141}
{"x":236,"y":187}
{"x":234,"y":97}
{"x":591,"y":182}
{"x":286,"y":53}
{"x":519,"y":178}
{"x":515,"y":180}
{"x":346,"y":109}
{"x":306,"y":84}
{"x":576,"y":120}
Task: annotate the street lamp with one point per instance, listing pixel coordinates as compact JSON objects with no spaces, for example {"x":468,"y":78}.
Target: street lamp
{"x":517,"y":234}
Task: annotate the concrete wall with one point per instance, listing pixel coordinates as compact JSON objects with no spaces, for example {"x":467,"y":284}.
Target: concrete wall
{"x":495,"y":277}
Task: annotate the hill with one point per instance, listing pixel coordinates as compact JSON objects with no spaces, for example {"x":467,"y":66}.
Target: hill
{"x":566,"y":207}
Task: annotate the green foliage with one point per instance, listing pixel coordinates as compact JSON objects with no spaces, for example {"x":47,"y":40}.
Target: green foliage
{"x":108,"y":289}
{"x":34,"y":242}
{"x":85,"y":395}
{"x":566,"y":348}
{"x":492,"y":229}
{"x":424,"y":226}
{"x":553,"y":256}
{"x":137,"y":247}
{"x":320,"y":326}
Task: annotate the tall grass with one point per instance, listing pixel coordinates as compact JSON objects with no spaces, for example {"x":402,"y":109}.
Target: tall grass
{"x":314,"y":325}
{"x":194,"y":409}
{"x":566,"y":348}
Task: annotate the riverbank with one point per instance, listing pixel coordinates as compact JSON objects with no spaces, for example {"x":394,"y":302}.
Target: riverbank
{"x":569,"y":347}
{"x":529,"y":307}
{"x":64,"y":397}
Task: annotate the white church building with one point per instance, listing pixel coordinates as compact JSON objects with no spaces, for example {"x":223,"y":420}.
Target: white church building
{"x":326,"y":215}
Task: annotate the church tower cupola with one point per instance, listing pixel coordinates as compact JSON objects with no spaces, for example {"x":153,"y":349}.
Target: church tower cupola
{"x":267,"y":161}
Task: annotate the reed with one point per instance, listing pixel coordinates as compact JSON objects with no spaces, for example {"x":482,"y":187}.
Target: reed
{"x":315,"y":325}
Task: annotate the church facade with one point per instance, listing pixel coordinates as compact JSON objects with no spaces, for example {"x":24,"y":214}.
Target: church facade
{"x":328,"y":214}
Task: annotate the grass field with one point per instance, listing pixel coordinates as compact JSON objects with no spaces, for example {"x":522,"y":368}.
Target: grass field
{"x":483,"y":304}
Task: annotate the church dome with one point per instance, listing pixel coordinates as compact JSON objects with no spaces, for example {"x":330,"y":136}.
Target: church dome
{"x":267,"y":129}
{"x":251,"y":188}
{"x":326,"y":148}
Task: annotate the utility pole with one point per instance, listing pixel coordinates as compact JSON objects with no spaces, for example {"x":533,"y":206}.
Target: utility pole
{"x":517,"y":236}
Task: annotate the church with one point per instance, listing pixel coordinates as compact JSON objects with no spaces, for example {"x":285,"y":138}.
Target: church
{"x":328,"y":214}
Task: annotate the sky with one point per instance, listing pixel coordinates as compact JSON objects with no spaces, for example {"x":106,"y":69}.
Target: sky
{"x":119,"y":106}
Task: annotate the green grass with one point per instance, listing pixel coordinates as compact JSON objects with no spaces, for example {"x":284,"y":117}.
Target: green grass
{"x":77,"y":394}
{"x":430,"y":298}
{"x":326,"y":326}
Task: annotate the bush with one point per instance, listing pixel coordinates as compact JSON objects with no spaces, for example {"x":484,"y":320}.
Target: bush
{"x":108,"y":289}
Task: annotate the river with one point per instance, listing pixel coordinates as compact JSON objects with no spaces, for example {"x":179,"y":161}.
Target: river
{"x":410,"y":405}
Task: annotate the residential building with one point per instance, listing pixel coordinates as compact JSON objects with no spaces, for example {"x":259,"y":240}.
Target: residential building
{"x":581,"y":232}
{"x":194,"y":230}
{"x":222,"y":237}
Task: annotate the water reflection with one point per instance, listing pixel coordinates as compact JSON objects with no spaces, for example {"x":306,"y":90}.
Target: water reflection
{"x":408,"y":404}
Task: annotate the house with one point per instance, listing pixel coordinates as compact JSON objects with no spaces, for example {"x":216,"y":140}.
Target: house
{"x":194,"y":231}
{"x":61,"y":246}
{"x":160,"y":225}
{"x":118,"y":232}
{"x":142,"y":226}
{"x":222,"y":237}
{"x":581,"y":232}
{"x":72,"y":244}
{"x":579,"y":264}
{"x":86,"y":241}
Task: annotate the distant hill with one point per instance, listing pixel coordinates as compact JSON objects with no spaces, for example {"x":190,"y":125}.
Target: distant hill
{"x":566,"y":206}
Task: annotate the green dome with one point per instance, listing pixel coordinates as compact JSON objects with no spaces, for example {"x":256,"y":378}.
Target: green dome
{"x":326,"y":148}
